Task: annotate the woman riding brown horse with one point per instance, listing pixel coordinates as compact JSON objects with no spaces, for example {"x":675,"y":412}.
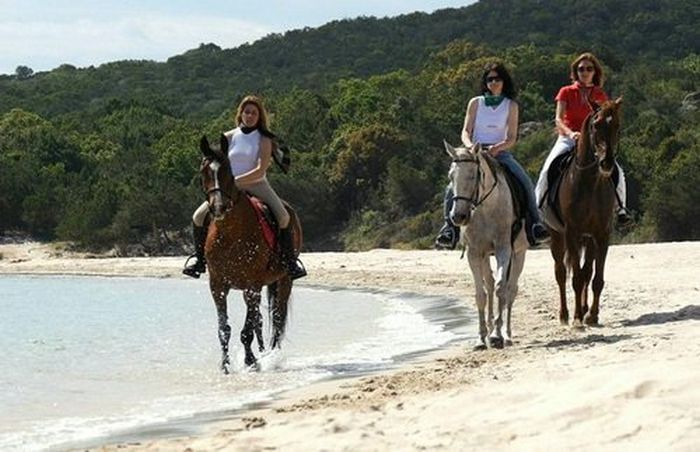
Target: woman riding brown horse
{"x":239,"y":257}
{"x":586,"y":204}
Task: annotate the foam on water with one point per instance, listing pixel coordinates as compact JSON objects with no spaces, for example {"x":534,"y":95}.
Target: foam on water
{"x":91,"y":358}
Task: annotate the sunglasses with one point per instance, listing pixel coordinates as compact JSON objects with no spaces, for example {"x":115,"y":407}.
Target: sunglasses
{"x":585,"y":69}
{"x":493,"y":79}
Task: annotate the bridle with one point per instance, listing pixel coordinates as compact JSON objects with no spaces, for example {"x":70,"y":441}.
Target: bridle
{"x":590,"y":149}
{"x":229,"y":200}
{"x":474,"y":200}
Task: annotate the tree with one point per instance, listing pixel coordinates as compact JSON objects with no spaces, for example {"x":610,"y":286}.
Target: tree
{"x":23,"y":72}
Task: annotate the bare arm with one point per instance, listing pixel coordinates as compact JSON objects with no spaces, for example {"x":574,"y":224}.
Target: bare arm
{"x":511,"y":133}
{"x":469,"y":119}
{"x":559,"y":121}
{"x":263,"y":163}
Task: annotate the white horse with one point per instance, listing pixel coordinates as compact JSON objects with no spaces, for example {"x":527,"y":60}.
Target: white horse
{"x":483,"y":208}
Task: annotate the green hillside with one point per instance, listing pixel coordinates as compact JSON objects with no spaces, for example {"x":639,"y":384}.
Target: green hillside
{"x":107,"y":156}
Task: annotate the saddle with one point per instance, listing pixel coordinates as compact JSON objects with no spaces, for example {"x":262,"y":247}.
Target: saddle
{"x":518,"y":196}
{"x":266,"y":219}
{"x":549,"y":204}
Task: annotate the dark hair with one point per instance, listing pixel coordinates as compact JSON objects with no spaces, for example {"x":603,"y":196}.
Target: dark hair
{"x":508,"y":86}
{"x":598,"y":77}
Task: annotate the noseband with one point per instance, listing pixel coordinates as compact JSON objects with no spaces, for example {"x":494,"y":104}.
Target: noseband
{"x":474,"y":199}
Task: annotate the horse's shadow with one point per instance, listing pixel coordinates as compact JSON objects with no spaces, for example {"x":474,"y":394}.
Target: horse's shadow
{"x":690,"y":312}
{"x":585,"y":340}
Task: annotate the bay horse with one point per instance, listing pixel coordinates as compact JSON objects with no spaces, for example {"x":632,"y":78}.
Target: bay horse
{"x":586,"y":202}
{"x":484,"y":209}
{"x":239,"y":258}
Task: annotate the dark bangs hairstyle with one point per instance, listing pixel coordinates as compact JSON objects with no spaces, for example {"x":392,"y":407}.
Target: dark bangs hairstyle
{"x":508,"y":86}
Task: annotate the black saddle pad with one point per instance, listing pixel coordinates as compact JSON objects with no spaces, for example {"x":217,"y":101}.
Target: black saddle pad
{"x":517,"y":193}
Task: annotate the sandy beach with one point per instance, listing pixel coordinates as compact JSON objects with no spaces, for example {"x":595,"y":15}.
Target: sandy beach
{"x":630,"y":384}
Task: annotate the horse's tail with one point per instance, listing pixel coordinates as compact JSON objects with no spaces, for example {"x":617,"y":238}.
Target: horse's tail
{"x":278,"y":295}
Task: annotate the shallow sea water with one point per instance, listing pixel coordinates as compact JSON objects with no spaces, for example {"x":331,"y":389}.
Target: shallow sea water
{"x":89,"y":359}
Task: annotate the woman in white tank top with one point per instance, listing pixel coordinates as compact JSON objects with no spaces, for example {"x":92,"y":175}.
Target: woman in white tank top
{"x":250,"y":155}
{"x":492,"y":121}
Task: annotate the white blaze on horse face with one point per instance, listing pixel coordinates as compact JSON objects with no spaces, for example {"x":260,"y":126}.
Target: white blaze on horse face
{"x":214,"y":167}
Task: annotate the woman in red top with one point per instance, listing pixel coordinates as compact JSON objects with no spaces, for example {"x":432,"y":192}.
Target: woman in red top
{"x":572,"y":109}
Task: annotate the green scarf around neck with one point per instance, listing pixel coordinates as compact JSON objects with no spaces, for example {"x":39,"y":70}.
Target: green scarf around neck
{"x":493,"y":101}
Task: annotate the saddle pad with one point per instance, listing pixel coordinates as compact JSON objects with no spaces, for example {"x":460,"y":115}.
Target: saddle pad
{"x":260,"y":211}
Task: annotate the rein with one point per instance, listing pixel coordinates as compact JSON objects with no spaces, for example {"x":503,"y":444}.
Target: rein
{"x":591,"y":135}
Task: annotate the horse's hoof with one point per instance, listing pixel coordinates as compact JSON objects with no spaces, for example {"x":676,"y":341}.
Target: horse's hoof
{"x":496,"y":342}
{"x":480,"y":346}
{"x":224,"y":365}
{"x":591,"y":320}
{"x":250,"y":361}
{"x":577,"y":325}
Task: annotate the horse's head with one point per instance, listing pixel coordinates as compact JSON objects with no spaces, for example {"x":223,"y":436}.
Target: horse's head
{"x":464,"y":175}
{"x":217,"y":181}
{"x":603,"y":131}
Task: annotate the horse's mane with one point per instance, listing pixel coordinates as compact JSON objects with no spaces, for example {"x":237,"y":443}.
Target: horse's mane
{"x":493,"y":164}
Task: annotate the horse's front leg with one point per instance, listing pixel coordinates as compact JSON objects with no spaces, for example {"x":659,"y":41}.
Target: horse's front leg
{"x":587,"y":272}
{"x":577,"y":283}
{"x":503,"y":255}
{"x":253,"y":322}
{"x":516,"y":269}
{"x":558,"y":249}
{"x":490,"y":287}
{"x":598,"y":283}
{"x":219,"y":292}
{"x":476,"y":266}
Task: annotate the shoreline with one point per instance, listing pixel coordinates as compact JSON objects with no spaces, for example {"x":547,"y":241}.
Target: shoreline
{"x":626,"y":384}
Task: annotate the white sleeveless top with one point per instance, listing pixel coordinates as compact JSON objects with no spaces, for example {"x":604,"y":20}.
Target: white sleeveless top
{"x":491,"y":124}
{"x":244,"y":151}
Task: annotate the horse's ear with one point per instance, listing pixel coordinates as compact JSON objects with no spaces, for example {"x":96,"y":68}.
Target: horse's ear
{"x":450,"y":150}
{"x":476,"y":149}
{"x":205,"y":148}
{"x":223,"y":144}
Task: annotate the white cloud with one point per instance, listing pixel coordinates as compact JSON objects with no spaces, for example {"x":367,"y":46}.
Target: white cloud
{"x":85,"y":42}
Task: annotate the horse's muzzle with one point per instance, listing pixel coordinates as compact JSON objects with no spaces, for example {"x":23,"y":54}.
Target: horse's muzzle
{"x":460,"y":218}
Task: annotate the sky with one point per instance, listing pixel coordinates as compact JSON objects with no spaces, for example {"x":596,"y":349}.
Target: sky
{"x":45,"y":34}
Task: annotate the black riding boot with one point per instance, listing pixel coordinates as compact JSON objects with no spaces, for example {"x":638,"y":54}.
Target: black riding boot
{"x":535,"y":231}
{"x":448,"y":236}
{"x":289,"y":259}
{"x":199,"y":233}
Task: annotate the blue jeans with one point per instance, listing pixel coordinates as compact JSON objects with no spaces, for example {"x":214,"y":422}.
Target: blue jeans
{"x":507,"y":160}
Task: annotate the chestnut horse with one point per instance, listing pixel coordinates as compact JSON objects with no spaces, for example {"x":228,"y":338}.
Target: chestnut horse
{"x":586,"y":202}
{"x":238,"y":256}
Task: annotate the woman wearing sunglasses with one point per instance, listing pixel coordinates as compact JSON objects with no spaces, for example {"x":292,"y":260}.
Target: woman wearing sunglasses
{"x":492,"y":121}
{"x":572,"y":109}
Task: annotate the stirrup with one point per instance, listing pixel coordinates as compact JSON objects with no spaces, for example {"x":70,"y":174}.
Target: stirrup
{"x":540,"y":234}
{"x":623,"y":219}
{"x":447,"y":238}
{"x":195,"y":269}
{"x":297,"y":271}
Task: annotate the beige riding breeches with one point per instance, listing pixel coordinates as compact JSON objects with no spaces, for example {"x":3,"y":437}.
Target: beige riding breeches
{"x":260,"y":189}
